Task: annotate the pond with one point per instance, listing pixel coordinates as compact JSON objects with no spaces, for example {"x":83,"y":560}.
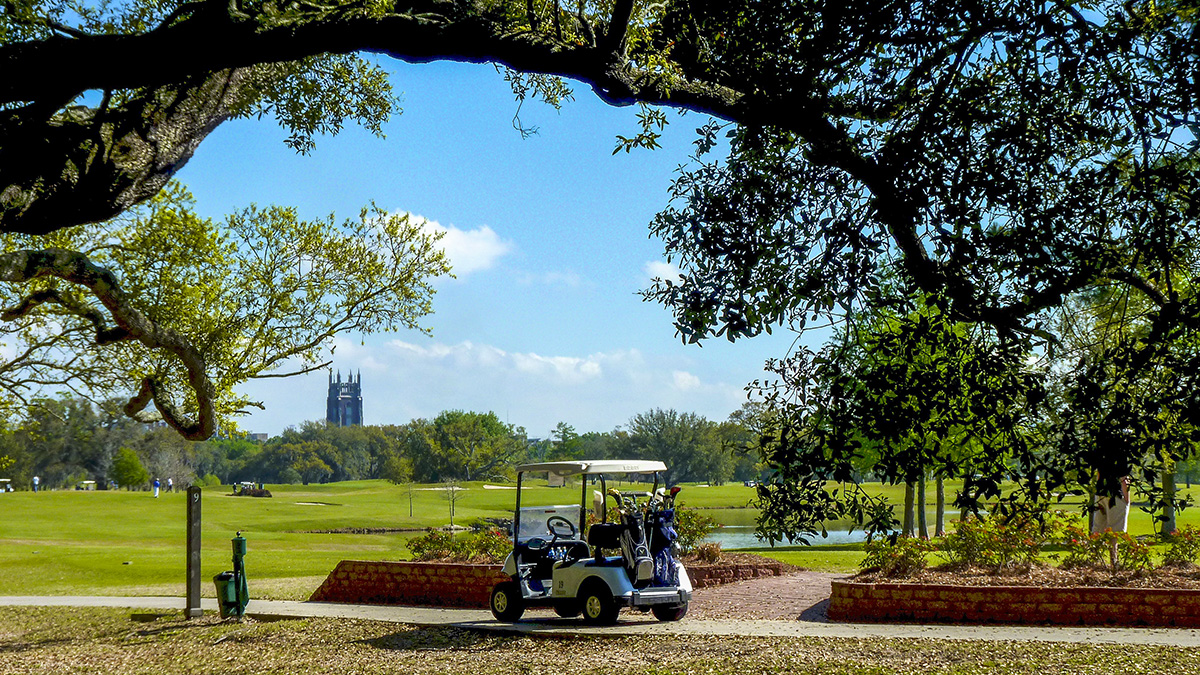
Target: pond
{"x":738,"y":530}
{"x":738,"y":525}
{"x":742,"y":536}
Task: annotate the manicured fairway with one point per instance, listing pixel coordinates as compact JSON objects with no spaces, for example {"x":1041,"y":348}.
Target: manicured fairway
{"x":70,"y":542}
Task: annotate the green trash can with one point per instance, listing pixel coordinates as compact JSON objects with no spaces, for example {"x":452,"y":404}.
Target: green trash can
{"x":232,"y":593}
{"x":226,"y":593}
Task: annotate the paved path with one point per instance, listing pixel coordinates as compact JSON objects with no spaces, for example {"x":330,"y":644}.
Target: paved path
{"x":634,"y":624}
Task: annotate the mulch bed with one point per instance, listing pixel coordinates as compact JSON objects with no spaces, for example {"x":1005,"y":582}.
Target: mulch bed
{"x":1056,"y":577}
{"x":690,"y":561}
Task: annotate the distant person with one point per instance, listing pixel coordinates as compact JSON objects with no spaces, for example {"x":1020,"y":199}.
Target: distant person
{"x":170,"y":485}
{"x":157,"y":485}
{"x":1112,"y":514}
{"x":36,"y":481}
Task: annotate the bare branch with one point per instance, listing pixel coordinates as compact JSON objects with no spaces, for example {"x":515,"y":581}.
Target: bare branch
{"x":23,"y":266}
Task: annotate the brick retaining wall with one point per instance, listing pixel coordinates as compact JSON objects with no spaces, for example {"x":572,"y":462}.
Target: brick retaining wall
{"x":703,"y":576}
{"x":410,"y":583}
{"x":457,"y":585}
{"x":1014,"y":605}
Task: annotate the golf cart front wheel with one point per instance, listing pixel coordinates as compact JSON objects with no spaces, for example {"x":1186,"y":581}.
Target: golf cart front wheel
{"x":598,"y":604}
{"x":507,"y":603}
{"x":669,"y":612}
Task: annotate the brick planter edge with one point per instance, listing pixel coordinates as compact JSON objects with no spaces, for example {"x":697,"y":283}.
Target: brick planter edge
{"x":1089,"y":606}
{"x":434,"y":584}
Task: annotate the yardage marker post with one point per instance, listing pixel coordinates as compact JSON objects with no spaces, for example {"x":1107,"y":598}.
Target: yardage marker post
{"x":193,"y":554}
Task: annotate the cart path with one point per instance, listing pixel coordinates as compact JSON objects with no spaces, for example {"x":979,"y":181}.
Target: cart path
{"x":638,"y":624}
{"x":799,"y":595}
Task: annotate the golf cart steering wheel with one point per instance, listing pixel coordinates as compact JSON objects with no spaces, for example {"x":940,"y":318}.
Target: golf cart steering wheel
{"x":553,"y":523}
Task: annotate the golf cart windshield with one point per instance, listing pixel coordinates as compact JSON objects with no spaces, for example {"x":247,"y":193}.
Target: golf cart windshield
{"x":533,"y":520}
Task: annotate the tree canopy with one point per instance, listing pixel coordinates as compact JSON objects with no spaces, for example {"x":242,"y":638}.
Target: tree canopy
{"x":1000,"y":158}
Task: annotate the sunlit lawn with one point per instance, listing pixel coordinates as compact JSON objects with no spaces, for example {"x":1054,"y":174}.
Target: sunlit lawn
{"x":70,"y":542}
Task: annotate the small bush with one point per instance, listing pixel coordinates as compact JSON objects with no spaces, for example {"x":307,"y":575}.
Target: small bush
{"x":964,"y":546}
{"x":708,"y":552}
{"x":693,"y":528}
{"x":485,"y":546}
{"x":1083,"y":549}
{"x":1132,"y":554}
{"x":1096,"y":549}
{"x":1002,"y":544}
{"x":903,"y":558}
{"x":1185,"y":547}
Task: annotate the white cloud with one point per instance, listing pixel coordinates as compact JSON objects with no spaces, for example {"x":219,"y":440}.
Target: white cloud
{"x":557,"y":369}
{"x":469,"y":250}
{"x":685,"y":381}
{"x":569,"y":279}
{"x":406,"y":380}
{"x":660,"y":269}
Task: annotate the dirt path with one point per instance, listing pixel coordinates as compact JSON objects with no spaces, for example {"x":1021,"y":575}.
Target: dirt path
{"x":799,"y":595}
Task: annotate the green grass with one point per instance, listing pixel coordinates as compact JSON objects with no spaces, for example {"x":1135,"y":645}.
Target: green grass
{"x":70,"y":542}
{"x":117,"y":542}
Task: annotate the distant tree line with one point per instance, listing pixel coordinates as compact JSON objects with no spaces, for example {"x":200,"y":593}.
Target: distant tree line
{"x":66,"y":440}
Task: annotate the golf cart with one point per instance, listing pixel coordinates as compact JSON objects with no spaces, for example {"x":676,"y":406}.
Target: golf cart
{"x":552,"y":565}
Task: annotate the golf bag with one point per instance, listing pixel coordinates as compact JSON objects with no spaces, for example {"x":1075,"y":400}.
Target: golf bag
{"x":661,"y":525}
{"x":634,"y":548}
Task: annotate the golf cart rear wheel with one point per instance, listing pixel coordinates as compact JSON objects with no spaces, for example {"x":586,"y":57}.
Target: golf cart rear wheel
{"x":598,"y":604}
{"x":669,"y":612}
{"x":507,"y":603}
{"x":568,"y":609}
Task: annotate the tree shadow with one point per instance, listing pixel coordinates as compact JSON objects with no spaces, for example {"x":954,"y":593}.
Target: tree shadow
{"x":175,"y":624}
{"x":436,"y":638}
{"x":818,"y":613}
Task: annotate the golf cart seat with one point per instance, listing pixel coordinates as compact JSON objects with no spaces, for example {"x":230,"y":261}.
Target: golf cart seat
{"x":537,"y":557}
{"x":605,"y":535}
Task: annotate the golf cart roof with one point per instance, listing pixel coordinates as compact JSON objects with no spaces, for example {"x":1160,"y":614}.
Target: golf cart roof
{"x":594,"y":466}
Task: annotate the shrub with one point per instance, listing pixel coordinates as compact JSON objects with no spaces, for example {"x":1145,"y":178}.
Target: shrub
{"x":904,"y":557}
{"x":964,"y":546}
{"x":1083,"y":549}
{"x":1185,"y":547}
{"x":708,"y":552}
{"x":1002,"y":543}
{"x":1108,"y":549}
{"x":692,"y":528}
{"x":484,"y":546}
{"x":1132,"y":554}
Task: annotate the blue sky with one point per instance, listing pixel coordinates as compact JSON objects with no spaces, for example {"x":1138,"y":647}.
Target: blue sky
{"x":549,"y":240}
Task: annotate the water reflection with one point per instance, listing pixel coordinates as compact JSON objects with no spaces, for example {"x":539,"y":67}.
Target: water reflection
{"x":742,"y":536}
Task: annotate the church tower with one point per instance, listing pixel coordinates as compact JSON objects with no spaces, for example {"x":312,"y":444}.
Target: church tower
{"x":343,"y":407}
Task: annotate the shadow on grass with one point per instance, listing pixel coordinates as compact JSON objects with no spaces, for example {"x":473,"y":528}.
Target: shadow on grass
{"x":58,"y":635}
{"x":437,"y":638}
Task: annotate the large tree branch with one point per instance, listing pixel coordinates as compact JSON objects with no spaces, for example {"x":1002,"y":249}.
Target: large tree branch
{"x":85,"y":165}
{"x":221,"y":36}
{"x":23,"y":266}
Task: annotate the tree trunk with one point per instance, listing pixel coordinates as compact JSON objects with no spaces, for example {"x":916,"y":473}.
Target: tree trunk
{"x":939,"y":526}
{"x":1168,"y":488}
{"x":922,"y":521}
{"x":908,"y":509}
